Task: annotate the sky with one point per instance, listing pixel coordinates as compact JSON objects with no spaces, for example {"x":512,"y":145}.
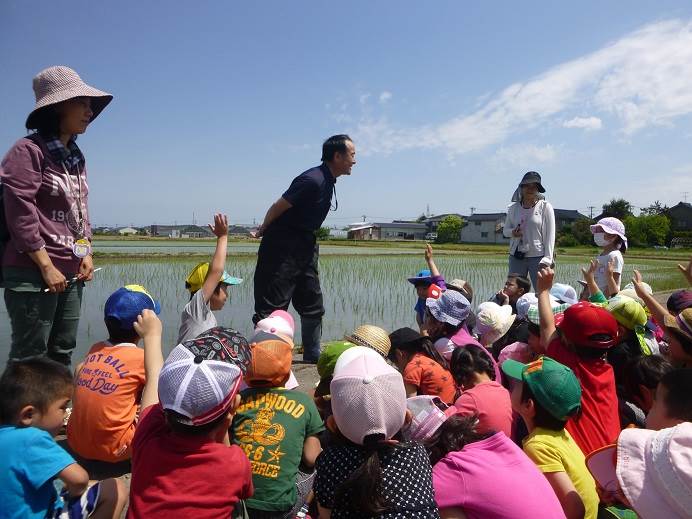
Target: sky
{"x":218,"y":105}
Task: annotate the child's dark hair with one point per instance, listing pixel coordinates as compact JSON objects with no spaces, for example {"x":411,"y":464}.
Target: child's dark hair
{"x":645,"y":370}
{"x":364,"y":488}
{"x":37,"y":382}
{"x":173,"y":420}
{"x":453,"y":435}
{"x":678,"y":399}
{"x":216,"y":290}
{"x":468,"y":360}
{"x":117,"y":334}
{"x":334,"y":144}
{"x":423,"y":345}
{"x":542,"y":418}
{"x":523,"y":282}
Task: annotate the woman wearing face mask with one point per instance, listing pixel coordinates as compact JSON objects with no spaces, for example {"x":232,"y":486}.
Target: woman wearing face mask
{"x":47,"y":253}
{"x":609,"y":233}
{"x":530,"y":225}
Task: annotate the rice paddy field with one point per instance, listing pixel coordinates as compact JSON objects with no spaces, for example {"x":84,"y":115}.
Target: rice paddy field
{"x":360,"y":284}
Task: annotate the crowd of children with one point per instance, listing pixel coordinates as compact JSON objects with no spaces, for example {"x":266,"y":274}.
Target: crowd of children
{"x":540,"y":404}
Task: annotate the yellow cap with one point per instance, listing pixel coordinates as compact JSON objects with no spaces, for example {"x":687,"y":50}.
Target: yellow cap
{"x":196,"y":278}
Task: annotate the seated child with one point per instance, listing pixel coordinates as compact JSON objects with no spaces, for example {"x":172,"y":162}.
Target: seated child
{"x":515,"y":287}
{"x":183,"y":464}
{"x":208,"y":286}
{"x":425,"y":372}
{"x":647,"y":471}
{"x":33,"y":397}
{"x":325,"y":369}
{"x":586,"y":333}
{"x":546,"y":395}
{"x":445,"y":324}
{"x":372,"y":337}
{"x":109,"y":382}
{"x":609,"y":233}
{"x":277,"y":429}
{"x":642,"y":375}
{"x":672,"y":403}
{"x":281,"y":323}
{"x":478,"y":476}
{"x":465,"y":289}
{"x":366,"y":472}
{"x":482,"y":396}
{"x":422,"y":281}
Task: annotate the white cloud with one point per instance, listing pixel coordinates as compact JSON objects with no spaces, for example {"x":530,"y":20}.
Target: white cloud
{"x":643,"y":79}
{"x":584,"y":123}
{"x":385,"y":96}
{"x":525,"y":156}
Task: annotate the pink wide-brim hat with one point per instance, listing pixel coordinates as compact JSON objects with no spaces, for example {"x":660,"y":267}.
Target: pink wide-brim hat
{"x":59,"y":83}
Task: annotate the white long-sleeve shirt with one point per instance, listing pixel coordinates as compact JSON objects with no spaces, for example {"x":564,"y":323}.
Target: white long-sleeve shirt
{"x":538,"y":228}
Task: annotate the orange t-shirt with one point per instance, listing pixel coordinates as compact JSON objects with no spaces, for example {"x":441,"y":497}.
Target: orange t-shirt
{"x":105,"y":400}
{"x":430,"y":378}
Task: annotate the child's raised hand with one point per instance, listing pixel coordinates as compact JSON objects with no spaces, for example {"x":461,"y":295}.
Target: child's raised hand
{"x":428,"y":252}
{"x":611,"y":266}
{"x":687,"y":270}
{"x":148,"y":325}
{"x":590,"y":271}
{"x":637,"y":280}
{"x":544,"y":280}
{"x":220,"y":227}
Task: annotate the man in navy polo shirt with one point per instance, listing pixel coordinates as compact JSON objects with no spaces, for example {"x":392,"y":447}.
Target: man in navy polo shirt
{"x":287,"y":258}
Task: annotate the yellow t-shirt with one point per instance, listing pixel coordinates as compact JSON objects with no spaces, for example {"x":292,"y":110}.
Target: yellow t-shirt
{"x":556,"y":451}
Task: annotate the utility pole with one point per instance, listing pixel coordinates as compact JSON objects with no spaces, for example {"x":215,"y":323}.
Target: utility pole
{"x":364,"y":217}
{"x":591,"y":208}
{"x":684,"y":195}
{"x":473,"y":209}
{"x":427,"y":210}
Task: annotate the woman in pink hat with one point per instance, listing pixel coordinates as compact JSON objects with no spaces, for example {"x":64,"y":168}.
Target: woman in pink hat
{"x":46,"y":242}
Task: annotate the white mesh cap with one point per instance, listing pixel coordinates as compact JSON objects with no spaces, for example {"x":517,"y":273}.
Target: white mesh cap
{"x":368,"y":397}
{"x":197,"y":384}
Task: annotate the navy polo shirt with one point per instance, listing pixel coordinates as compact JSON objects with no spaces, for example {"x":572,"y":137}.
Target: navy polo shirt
{"x":310,"y":195}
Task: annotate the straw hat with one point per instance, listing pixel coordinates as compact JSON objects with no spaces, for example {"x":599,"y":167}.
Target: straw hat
{"x":371,"y":337}
{"x":57,"y":84}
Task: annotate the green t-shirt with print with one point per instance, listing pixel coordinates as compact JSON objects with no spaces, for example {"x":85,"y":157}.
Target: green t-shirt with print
{"x":271,"y":425}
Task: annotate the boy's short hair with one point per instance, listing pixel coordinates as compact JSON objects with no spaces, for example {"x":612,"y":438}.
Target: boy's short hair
{"x":542,"y":418}
{"x":678,"y":400}
{"x":334,"y":144}
{"x":644,"y":370}
{"x":118,"y":335}
{"x":177,"y":423}
{"x":37,"y":382}
{"x":523,"y":282}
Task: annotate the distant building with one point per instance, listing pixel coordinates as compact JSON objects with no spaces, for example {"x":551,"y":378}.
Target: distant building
{"x":180,"y":231}
{"x":566,"y":217}
{"x":388,"y":231}
{"x":680,"y":217}
{"x":127,"y":231}
{"x":433,"y":221}
{"x":484,"y":228}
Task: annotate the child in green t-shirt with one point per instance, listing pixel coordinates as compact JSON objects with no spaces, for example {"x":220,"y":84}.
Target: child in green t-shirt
{"x":277,"y":428}
{"x":546,"y":395}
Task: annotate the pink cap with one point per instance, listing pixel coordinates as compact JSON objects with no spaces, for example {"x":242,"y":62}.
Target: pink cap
{"x":368,"y":396}
{"x":279,"y":322}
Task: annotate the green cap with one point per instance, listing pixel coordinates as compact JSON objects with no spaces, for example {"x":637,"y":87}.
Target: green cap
{"x":330,"y":354}
{"x":554,"y":385}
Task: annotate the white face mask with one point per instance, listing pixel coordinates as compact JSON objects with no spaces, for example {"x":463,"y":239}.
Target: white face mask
{"x":600,"y":239}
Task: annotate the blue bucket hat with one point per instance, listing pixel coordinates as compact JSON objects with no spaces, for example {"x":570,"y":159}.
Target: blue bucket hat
{"x":126,"y":303}
{"x":424,"y":276}
{"x":451,"y":307}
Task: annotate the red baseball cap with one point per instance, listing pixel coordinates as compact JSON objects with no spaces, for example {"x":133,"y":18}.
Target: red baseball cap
{"x":586,"y":324}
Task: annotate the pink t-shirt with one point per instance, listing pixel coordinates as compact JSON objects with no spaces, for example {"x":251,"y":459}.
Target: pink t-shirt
{"x":490,"y":401}
{"x":494,"y":479}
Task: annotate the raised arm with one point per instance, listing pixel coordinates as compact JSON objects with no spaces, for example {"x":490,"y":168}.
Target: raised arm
{"x":612,"y":278}
{"x":149,"y":328}
{"x":548,"y":235}
{"x":658,"y":311}
{"x":545,"y":312}
{"x":687,"y":271}
{"x":430,"y":261}
{"x":589,"y":277}
{"x":218,"y":262}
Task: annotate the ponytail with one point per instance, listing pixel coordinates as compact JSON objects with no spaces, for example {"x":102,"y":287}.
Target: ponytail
{"x":467,"y":360}
{"x":364,"y":488}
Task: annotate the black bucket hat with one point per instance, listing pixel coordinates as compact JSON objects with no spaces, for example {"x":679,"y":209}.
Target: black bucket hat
{"x":532,"y":178}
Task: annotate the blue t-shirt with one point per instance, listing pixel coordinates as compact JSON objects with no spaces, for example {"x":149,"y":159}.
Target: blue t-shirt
{"x":310,"y":195}
{"x":29,"y":462}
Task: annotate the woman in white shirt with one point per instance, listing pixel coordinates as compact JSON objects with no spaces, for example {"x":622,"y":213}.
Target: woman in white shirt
{"x":530,"y":225}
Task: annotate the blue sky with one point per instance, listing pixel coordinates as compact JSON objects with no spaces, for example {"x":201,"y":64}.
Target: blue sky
{"x":218,"y":105}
